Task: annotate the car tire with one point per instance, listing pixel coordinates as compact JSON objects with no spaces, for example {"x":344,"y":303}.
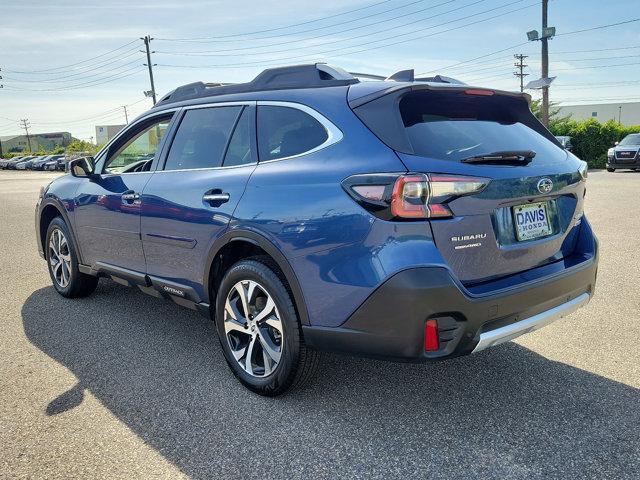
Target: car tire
{"x":611,"y":169}
{"x":264,"y":348}
{"x":62,"y":262}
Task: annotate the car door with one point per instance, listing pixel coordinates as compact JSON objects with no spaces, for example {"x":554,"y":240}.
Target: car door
{"x":108,"y":205}
{"x":190,"y":200}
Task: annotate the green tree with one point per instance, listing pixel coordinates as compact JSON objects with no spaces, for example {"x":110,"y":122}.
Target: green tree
{"x":554,"y":112}
{"x":80,"y":146}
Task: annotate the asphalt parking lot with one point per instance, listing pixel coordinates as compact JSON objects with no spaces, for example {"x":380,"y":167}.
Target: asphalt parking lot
{"x":124,"y":385}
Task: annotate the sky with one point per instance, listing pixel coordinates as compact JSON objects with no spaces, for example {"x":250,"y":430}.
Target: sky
{"x":71,"y":65}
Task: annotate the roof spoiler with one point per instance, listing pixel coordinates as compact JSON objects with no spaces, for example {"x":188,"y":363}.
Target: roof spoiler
{"x":408,"y":76}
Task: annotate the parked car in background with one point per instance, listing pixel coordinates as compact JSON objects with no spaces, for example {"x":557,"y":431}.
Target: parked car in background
{"x":11,"y":165}
{"x":5,"y":161}
{"x":51,"y":165}
{"x":40,"y":163}
{"x":625,"y":154}
{"x":565,"y":141}
{"x":415,"y":220}
{"x":27,"y":164}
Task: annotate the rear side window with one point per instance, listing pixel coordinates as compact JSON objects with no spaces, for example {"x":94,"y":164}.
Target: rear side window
{"x":202,"y":138}
{"x":239,"y":149}
{"x":285,"y":131}
{"x":455,"y":125}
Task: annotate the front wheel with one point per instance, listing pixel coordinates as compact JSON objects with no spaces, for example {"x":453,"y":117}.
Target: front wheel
{"x":259,"y":330}
{"x":62,"y":260}
{"x":611,"y":169}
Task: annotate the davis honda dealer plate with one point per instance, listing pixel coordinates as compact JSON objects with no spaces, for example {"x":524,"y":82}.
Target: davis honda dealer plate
{"x":531,"y":221}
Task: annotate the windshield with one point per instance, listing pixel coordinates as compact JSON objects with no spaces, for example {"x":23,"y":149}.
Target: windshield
{"x":633,"y":139}
{"x":454,"y":126}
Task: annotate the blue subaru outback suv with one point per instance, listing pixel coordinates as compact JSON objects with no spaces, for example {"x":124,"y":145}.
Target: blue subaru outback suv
{"x":409,"y":219}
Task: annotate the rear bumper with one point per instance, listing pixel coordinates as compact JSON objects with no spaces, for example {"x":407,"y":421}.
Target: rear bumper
{"x":391,"y":322}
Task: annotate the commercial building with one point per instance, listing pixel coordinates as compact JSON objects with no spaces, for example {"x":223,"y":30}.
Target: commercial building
{"x":104,"y":133}
{"x":38,"y":141}
{"x":627,"y":113}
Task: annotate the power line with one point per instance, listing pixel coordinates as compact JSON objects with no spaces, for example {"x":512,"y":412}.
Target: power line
{"x":525,"y":43}
{"x":472,"y":59}
{"x":218,"y":53}
{"x":339,"y":50}
{"x":74,"y":64}
{"x":589,"y":85}
{"x":91,"y":117}
{"x":65,"y":79}
{"x":599,"y":27}
{"x":80,"y":85}
{"x":220,"y":37}
{"x":85,"y":68}
{"x":597,"y":50}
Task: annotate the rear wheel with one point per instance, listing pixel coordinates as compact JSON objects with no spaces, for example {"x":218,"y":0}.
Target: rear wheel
{"x":62,"y":261}
{"x":611,"y":169}
{"x":259,"y":330}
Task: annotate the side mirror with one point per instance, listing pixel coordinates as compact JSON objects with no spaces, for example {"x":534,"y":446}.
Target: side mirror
{"x":615,"y":144}
{"x":81,"y":167}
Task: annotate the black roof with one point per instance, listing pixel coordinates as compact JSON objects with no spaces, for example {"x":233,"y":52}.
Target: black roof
{"x":289,"y":77}
{"x":296,"y":76}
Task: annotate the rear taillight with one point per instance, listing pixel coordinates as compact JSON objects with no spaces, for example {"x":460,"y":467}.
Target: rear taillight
{"x":411,"y":196}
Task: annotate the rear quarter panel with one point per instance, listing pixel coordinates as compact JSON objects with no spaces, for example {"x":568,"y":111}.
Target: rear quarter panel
{"x":299,"y":205}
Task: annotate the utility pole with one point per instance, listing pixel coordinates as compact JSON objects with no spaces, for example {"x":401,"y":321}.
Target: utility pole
{"x":26,"y":125}
{"x":147,"y":40}
{"x":520,"y":65}
{"x":545,"y":65}
{"x":620,"y":114}
{"x":126,"y":117}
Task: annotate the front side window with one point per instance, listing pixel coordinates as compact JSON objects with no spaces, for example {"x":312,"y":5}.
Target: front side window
{"x":202,"y":138}
{"x":136,"y":153}
{"x":285,"y":131}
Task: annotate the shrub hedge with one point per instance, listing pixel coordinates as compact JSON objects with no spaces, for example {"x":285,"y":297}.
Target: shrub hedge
{"x":591,"y":139}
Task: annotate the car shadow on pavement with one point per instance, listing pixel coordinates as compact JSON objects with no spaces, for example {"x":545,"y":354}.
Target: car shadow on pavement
{"x":506,"y":412}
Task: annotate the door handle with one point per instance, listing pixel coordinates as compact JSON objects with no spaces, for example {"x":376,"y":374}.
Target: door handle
{"x":217,"y":198}
{"x":130,"y":197}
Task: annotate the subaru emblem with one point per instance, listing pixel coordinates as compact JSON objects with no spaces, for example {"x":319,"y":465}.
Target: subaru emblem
{"x":545,"y":185}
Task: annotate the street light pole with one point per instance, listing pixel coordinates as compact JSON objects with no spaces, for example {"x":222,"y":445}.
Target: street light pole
{"x":545,"y":65}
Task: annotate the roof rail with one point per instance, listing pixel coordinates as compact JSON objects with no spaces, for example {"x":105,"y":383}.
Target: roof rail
{"x":296,"y":76}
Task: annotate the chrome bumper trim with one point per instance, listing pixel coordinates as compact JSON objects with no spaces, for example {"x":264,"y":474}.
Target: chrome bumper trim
{"x":509,"y":332}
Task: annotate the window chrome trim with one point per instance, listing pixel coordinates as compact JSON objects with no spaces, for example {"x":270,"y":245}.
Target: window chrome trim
{"x":334,"y":134}
{"x":222,"y":167}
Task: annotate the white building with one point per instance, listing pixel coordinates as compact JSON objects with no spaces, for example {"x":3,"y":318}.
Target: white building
{"x":104,"y":133}
{"x":627,"y":113}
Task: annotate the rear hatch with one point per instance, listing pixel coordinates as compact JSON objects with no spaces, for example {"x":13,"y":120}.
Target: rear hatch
{"x":525,"y":215}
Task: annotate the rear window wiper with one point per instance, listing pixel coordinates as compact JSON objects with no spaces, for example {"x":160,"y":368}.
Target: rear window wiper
{"x":507,"y":156}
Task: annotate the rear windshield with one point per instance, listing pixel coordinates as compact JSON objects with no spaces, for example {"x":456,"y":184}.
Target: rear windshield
{"x":455,"y":125}
{"x":633,"y":139}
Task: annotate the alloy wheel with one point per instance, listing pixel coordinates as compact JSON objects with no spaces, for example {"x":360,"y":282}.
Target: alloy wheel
{"x":253,"y":328}
{"x":60,"y":258}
